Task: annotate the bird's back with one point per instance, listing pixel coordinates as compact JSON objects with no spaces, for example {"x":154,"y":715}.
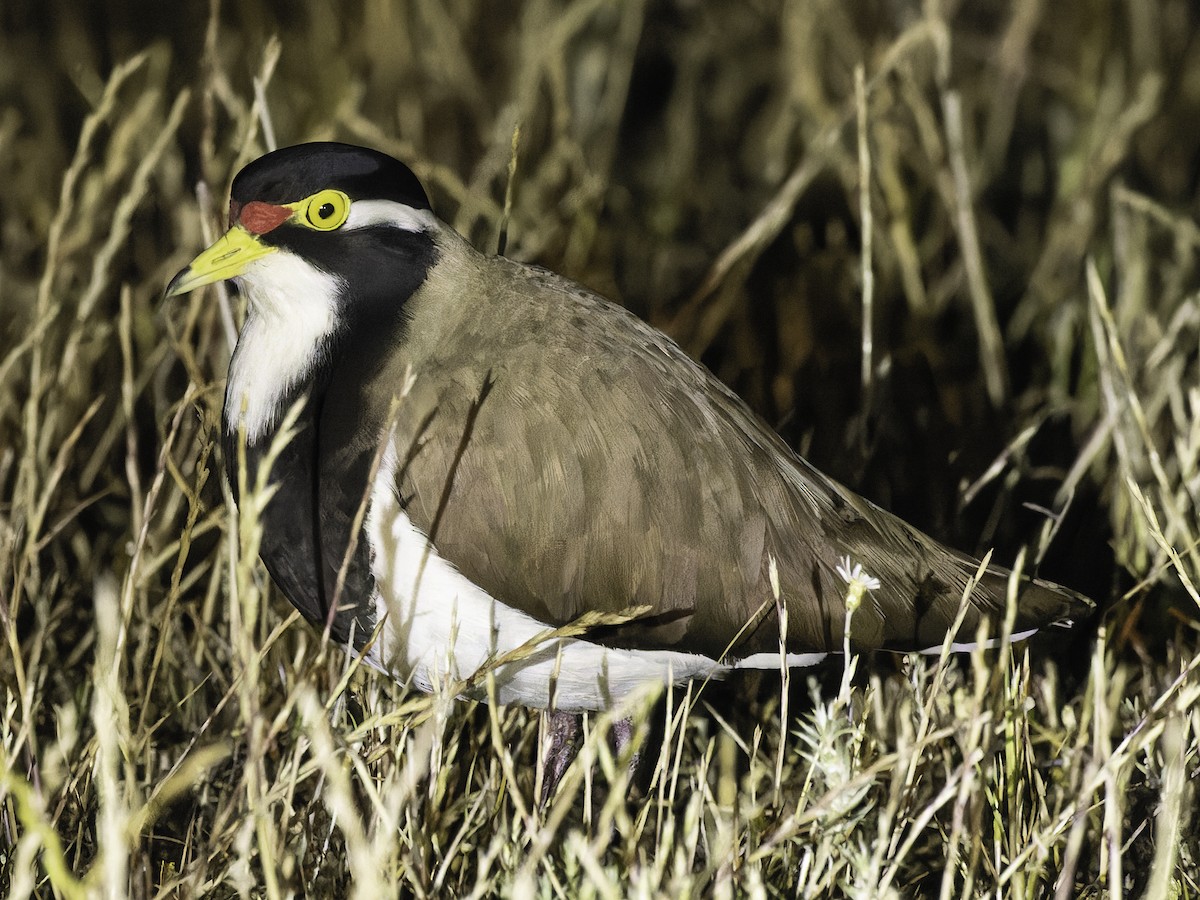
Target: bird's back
{"x":594,"y":466}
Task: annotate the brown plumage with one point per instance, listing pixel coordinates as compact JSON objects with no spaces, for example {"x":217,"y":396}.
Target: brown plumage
{"x":606,"y":469}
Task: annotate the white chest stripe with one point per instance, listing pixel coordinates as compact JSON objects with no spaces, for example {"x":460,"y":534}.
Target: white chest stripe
{"x":292,"y":310}
{"x":448,"y":627}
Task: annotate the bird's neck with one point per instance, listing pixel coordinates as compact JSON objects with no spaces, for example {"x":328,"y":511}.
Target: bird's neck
{"x":306,"y":533}
{"x":318,"y":476}
{"x":257,"y":404}
{"x":273,"y":364}
{"x":300,"y":348}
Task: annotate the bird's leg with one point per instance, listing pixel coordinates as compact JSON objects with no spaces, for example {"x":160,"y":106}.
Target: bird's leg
{"x":622,"y":734}
{"x":562,"y":744}
{"x":640,"y":765}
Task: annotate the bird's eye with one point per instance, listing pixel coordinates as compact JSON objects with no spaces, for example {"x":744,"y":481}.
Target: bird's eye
{"x":326,"y":210}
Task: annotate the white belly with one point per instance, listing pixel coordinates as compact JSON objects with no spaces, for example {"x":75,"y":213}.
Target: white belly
{"x":441,"y":627}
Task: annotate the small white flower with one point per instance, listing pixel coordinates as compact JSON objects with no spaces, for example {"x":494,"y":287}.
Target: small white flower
{"x":851,"y":574}
{"x":858,"y":582}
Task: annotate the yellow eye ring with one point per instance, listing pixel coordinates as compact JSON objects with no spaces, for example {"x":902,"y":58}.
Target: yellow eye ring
{"x":326,"y":210}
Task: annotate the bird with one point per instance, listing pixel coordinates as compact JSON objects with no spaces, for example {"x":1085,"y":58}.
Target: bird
{"x":482,"y":451}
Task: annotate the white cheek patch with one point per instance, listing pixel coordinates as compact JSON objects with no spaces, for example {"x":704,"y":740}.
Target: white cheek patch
{"x":368,"y":213}
{"x":441,"y":626}
{"x":292,"y":311}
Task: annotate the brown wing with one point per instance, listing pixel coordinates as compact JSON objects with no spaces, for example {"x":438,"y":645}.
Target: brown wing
{"x":605,"y":469}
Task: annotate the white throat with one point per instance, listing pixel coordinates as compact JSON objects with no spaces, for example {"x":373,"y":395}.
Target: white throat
{"x":292,"y":311}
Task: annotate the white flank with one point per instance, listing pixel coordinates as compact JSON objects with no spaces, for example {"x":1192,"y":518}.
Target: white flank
{"x":292,"y":309}
{"x":366,"y":213}
{"x":771,"y":660}
{"x":968,"y":646}
{"x":442,"y":627}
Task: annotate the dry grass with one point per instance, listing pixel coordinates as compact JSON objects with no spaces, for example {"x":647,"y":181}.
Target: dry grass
{"x":1026,"y":375}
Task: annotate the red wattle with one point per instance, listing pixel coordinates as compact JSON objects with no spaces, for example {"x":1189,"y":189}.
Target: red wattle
{"x":259,"y":217}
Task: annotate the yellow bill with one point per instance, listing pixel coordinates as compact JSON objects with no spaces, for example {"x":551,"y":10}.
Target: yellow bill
{"x":227,"y":258}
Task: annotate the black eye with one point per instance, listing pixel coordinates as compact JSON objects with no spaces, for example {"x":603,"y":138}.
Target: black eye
{"x":325,"y":211}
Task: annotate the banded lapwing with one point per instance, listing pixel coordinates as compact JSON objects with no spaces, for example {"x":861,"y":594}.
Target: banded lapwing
{"x":487,"y":450}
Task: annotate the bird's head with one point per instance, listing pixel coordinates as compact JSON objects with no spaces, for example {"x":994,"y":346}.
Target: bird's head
{"x":327,"y":242}
{"x":330,"y":218}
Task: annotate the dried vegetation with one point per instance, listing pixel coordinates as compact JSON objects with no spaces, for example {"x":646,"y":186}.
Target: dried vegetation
{"x":948,"y":248}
